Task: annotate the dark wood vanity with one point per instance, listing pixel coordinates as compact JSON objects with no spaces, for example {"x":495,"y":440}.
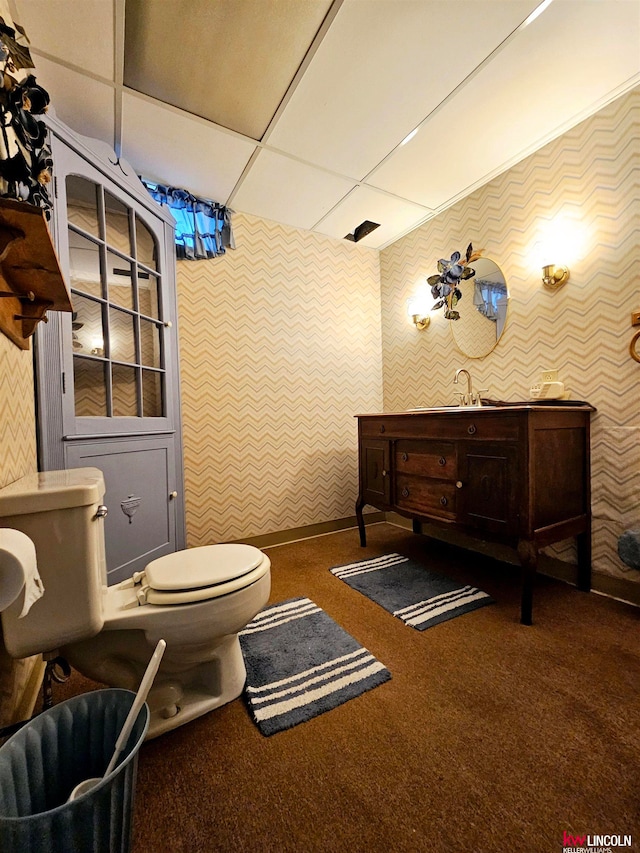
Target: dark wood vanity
{"x":517,"y":474}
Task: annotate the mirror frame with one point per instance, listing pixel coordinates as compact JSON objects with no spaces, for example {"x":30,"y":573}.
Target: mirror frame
{"x":466,"y":304}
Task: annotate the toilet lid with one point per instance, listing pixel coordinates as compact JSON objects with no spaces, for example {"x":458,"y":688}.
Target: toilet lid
{"x":199,"y":567}
{"x":198,"y":574}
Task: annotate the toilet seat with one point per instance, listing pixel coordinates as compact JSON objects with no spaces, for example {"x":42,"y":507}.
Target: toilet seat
{"x":198,"y":574}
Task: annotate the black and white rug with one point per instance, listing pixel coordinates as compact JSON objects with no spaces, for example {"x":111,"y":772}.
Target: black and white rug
{"x":300,"y":663}
{"x":419,"y":597}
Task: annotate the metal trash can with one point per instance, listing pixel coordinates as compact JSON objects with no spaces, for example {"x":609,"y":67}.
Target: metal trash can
{"x":42,"y":763}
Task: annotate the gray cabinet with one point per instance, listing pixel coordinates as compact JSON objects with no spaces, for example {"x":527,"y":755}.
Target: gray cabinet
{"x":107,"y":376}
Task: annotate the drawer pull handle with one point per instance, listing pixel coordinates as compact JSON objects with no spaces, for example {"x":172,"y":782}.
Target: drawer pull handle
{"x":442,"y":461}
{"x":381,"y":427}
{"x":471,"y":429}
{"x":405,"y":492}
{"x":443,"y":501}
{"x":404,"y":457}
{"x":458,"y":484}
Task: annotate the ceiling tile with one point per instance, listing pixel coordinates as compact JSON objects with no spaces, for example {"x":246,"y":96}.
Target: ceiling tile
{"x":79,"y":32}
{"x":70,"y":92}
{"x":542,"y":83}
{"x":246,"y":51}
{"x":288,"y":191}
{"x":172,"y":147}
{"x":381,"y":68}
{"x":394,"y":215}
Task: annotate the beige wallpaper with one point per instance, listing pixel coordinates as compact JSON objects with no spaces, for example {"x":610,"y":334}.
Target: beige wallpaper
{"x":279,"y":349}
{"x":17,"y":412}
{"x":17,"y":458}
{"x":589,"y":178}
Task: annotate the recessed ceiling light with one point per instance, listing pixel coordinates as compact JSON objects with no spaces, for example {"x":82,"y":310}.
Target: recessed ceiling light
{"x":540,"y":9}
{"x":409,"y":136}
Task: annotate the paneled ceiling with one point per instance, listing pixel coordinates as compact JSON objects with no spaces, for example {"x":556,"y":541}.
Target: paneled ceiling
{"x":324,"y":114}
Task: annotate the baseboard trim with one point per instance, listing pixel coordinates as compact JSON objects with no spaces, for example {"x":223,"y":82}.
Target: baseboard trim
{"x":618,"y":588}
{"x":323,"y":528}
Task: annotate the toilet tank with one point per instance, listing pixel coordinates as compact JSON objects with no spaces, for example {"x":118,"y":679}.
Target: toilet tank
{"x":57,"y":510}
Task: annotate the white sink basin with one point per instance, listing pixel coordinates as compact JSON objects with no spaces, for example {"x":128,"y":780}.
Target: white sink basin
{"x":469,"y":409}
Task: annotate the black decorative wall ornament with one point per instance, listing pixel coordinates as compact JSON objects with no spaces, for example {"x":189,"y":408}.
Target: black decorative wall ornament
{"x":445,"y":286}
{"x":130,"y":506}
{"x":25,"y":157}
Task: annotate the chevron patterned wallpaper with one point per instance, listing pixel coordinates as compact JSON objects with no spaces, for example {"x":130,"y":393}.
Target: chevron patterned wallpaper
{"x":279,"y":349}
{"x":17,"y":413}
{"x":17,"y":458}
{"x":591,"y":177}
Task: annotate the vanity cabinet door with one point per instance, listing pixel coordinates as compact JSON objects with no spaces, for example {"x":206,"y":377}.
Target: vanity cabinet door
{"x":375,"y":473}
{"x":487,"y":498}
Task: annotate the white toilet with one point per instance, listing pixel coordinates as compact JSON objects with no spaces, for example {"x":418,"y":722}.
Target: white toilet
{"x":197,"y":600}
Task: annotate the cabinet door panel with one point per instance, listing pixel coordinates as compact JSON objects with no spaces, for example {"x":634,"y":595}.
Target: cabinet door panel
{"x":374,"y":472}
{"x":489,"y":488}
{"x":139,"y":479}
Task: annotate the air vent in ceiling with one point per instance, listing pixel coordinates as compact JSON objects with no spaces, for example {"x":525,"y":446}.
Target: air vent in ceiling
{"x":362,"y":230}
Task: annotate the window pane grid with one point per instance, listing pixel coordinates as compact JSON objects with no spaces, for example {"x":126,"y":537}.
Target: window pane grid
{"x":128,"y":361}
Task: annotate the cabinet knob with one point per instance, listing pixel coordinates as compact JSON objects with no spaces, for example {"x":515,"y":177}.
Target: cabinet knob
{"x":405,"y":456}
{"x":471,"y":429}
{"x":384,"y":473}
{"x":458,"y":484}
{"x":443,"y":501}
{"x":173,"y":495}
{"x":405,"y":492}
{"x":381,"y":427}
{"x":442,"y":461}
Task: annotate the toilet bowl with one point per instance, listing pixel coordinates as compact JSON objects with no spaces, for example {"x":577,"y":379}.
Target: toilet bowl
{"x":198,"y":600}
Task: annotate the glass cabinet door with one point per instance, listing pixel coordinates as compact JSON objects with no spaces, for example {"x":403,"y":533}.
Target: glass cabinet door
{"x":118,"y":324}
{"x":107,"y":375}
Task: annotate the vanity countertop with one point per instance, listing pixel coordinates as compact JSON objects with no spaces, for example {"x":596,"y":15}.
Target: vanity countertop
{"x":491,"y":408}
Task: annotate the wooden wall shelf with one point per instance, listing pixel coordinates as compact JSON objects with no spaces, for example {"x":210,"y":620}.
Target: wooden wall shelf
{"x":31,"y":281}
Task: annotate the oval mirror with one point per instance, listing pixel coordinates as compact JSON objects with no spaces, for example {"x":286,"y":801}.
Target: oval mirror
{"x":483,"y":310}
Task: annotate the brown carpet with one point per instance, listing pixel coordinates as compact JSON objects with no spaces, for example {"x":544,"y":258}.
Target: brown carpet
{"x":490,"y":737}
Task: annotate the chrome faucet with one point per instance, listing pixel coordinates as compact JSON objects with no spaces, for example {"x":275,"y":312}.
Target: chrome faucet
{"x":471,"y":398}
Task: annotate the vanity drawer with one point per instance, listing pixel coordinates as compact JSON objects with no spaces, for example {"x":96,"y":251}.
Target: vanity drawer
{"x":476,"y":424}
{"x":427,"y":459}
{"x":426,"y":496}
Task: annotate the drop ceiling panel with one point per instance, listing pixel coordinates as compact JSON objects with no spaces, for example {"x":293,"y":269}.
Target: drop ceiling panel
{"x":394,"y":215}
{"x":70,"y":92}
{"x":79,"y":33}
{"x":547,"y":79}
{"x":228,"y":62}
{"x":381,"y":68}
{"x":288,"y":191}
{"x":171,"y":147}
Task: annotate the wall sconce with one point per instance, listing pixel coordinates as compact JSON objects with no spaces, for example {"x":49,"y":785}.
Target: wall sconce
{"x":554,"y":277}
{"x":97,"y":347}
{"x":418,"y":308}
{"x":420,"y":322}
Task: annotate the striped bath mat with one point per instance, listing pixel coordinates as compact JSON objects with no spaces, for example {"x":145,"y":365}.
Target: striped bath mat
{"x":300,"y":663}
{"x":412,"y":593}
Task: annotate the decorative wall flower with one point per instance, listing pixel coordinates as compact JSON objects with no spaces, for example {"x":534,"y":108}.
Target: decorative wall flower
{"x":445,"y":286}
{"x":25,"y":156}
